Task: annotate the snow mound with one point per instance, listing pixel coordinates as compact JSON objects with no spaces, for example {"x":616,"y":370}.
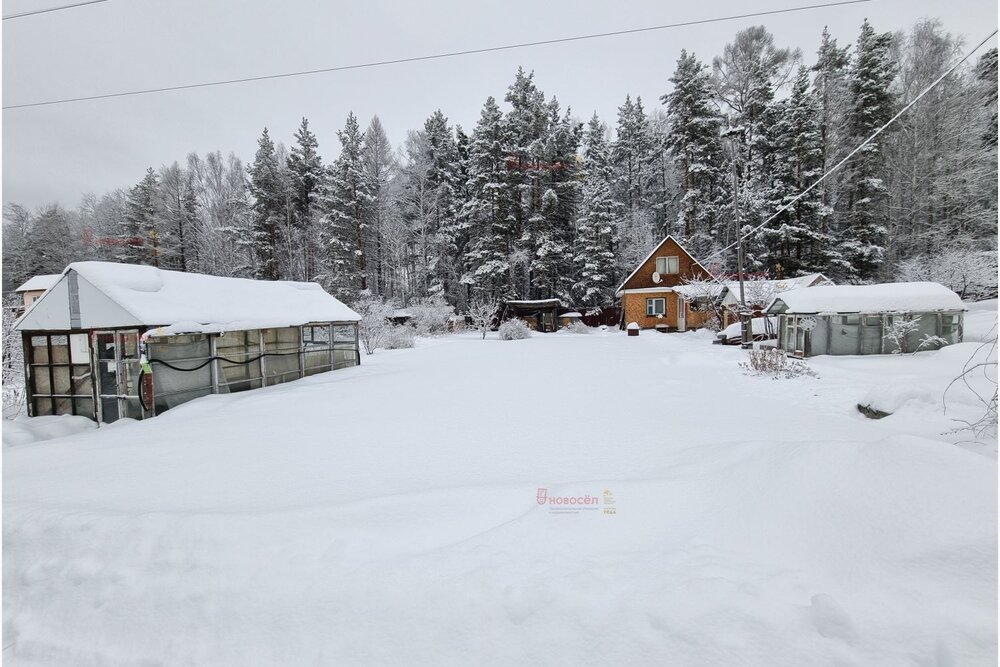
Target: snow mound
{"x":26,"y":430}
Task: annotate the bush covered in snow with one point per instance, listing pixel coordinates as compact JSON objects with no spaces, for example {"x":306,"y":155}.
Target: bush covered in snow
{"x":577,"y":327}
{"x":431,"y":314}
{"x":13,"y":360}
{"x":483,"y":312}
{"x":399,"y":337}
{"x":514,"y":329}
{"x":775,"y":364}
{"x":374,"y":324}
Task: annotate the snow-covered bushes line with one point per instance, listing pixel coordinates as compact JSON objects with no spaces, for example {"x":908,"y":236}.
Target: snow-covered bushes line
{"x":13,"y":360}
{"x":431,"y":314}
{"x":399,"y":337}
{"x":972,"y":274}
{"x":514,"y":329}
{"x":775,"y":364}
{"x":374,"y":324}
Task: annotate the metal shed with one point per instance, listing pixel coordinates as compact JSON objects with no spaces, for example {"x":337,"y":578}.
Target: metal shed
{"x":108,"y":341}
{"x":854,"y":319}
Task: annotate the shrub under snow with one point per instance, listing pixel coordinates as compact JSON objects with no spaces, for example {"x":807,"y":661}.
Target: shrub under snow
{"x":431,"y":314}
{"x":577,"y":327}
{"x":399,"y":337}
{"x":514,"y":329}
{"x":775,"y":364}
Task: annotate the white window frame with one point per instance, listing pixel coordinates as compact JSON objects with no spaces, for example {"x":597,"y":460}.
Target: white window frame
{"x":651,"y":306}
{"x":666,"y":263}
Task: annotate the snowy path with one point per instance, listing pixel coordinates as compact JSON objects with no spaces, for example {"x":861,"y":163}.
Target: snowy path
{"x":386,"y":515}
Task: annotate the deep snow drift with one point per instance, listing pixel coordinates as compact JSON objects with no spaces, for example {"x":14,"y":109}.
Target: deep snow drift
{"x":387,"y":514}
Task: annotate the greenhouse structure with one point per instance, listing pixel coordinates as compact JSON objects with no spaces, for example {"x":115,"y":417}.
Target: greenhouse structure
{"x":109,"y":341}
{"x":867,"y":319}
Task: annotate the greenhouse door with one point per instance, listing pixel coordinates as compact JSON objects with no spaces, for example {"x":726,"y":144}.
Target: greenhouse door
{"x":117,"y":375}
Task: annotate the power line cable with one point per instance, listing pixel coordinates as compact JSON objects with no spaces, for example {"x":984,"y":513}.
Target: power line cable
{"x":436,"y":56}
{"x":864,"y":143}
{"x":51,"y":9}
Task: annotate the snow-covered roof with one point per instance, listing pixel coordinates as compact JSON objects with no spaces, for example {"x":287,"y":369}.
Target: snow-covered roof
{"x":571,"y":314}
{"x":705,"y":289}
{"x":118,"y":295}
{"x":884,"y":298}
{"x":540,"y":303}
{"x":768,"y":286}
{"x":42,"y":282}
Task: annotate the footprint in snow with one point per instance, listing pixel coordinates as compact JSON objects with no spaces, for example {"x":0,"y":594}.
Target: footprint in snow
{"x":830,"y":619}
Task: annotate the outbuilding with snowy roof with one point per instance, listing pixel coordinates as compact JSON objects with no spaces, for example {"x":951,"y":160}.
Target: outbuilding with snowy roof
{"x":867,"y":319}
{"x":109,"y":340}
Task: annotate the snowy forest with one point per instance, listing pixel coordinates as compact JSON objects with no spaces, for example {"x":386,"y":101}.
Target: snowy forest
{"x":535,"y":202}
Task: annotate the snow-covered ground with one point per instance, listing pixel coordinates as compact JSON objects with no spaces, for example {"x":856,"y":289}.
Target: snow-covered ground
{"x":387,"y":514}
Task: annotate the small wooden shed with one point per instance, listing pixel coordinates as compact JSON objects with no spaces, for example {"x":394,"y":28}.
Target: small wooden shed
{"x":540,"y":314}
{"x":855,"y":319}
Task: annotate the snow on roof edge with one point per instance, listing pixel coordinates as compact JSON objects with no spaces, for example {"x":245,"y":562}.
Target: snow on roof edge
{"x":883,"y":297}
{"x":44,"y":281}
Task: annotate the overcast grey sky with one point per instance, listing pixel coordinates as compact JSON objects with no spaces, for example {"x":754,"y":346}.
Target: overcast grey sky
{"x":56,"y":153}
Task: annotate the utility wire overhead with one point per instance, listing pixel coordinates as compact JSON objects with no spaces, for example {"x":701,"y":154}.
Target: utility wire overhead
{"x":436,"y":56}
{"x":21,"y":15}
{"x":864,"y":143}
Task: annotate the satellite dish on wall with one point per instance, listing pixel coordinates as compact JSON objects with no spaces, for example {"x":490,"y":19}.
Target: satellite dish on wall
{"x":807,"y":323}
{"x":656,"y":277}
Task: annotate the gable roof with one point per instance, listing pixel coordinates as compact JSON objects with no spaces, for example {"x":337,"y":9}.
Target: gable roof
{"x":42,"y":282}
{"x":117,"y":295}
{"x":668,"y":237}
{"x":884,"y":298}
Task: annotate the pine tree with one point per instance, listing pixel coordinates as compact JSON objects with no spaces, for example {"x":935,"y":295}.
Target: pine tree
{"x":596,"y":237}
{"x":487,"y":262}
{"x":139,"y":238}
{"x":305,"y":167}
{"x":631,"y":154}
{"x":795,"y":243}
{"x":863,"y":239}
{"x":265,"y":186}
{"x":346,"y":199}
{"x":526,"y":126}
{"x":986,"y":73}
{"x":47,"y":247}
{"x":831,"y":91}
{"x":380,"y":168}
{"x":551,"y":267}
{"x":696,"y":148}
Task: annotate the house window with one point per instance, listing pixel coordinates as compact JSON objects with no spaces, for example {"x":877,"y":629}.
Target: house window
{"x":665,"y":265}
{"x":656,"y":307}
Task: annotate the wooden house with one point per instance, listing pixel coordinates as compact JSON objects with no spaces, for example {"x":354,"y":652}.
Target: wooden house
{"x":654,"y":294}
{"x":34,"y":288}
{"x":109,"y":341}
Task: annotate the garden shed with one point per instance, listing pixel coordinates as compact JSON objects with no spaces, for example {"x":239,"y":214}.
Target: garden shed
{"x":541,"y":314}
{"x":108,"y":340}
{"x":859,"y":319}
